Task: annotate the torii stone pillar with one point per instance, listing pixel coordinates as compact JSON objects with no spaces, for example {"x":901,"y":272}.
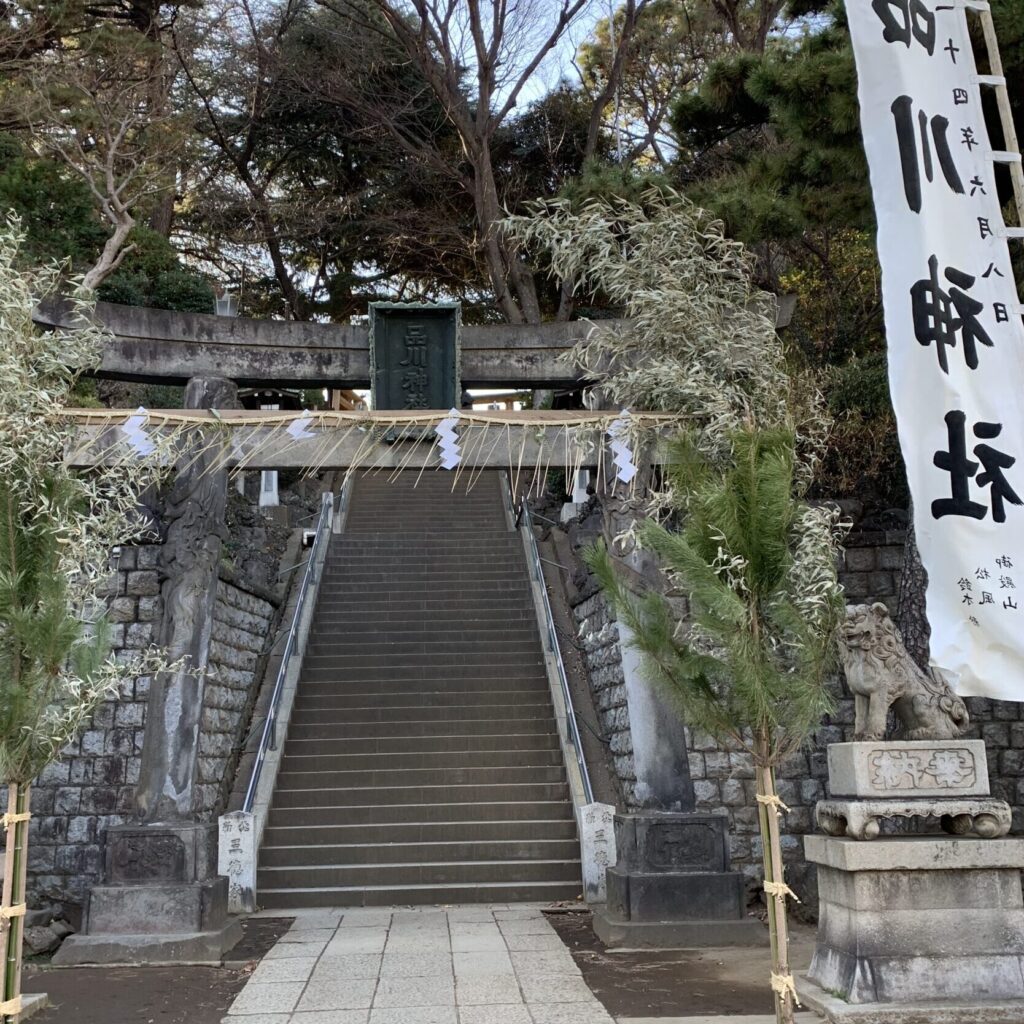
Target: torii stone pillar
{"x":163,"y":899}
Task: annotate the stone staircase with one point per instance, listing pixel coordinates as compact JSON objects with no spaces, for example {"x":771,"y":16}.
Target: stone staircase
{"x":422,"y":763}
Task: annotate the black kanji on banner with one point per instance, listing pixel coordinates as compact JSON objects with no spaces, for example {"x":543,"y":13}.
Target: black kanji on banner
{"x":942,"y":316}
{"x":933,"y":135}
{"x":962,"y":470}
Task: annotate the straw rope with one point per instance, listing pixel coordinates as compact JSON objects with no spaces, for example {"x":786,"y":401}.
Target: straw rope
{"x":773,"y":801}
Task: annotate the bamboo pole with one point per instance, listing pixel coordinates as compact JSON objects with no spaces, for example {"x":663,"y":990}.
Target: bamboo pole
{"x":6,"y":923}
{"x":1010,"y":144}
{"x":773,"y":935}
{"x":13,"y":906}
{"x":775,"y":887}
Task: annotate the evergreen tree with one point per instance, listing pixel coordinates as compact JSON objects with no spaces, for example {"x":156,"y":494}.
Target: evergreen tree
{"x":757,"y":563}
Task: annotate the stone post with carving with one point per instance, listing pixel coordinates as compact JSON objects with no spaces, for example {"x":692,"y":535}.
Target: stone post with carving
{"x":196,"y":528}
{"x":162,"y":899}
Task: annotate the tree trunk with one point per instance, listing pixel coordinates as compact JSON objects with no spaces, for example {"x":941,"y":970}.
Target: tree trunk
{"x":515,"y":291}
{"x":13,"y":906}
{"x":911,"y":616}
{"x":114,"y":250}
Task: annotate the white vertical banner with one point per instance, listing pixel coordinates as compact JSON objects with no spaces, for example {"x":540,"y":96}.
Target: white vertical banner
{"x":954,"y":329}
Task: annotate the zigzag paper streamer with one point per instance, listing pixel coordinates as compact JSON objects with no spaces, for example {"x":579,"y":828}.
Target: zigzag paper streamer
{"x":625,"y":468}
{"x":448,"y":440}
{"x":297,"y":428}
{"x":137,"y":437}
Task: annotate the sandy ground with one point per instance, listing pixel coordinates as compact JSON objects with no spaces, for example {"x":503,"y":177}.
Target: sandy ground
{"x":151,"y":995}
{"x":677,"y":983}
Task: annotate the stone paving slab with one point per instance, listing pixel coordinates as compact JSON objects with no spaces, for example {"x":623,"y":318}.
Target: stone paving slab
{"x":501,"y":964}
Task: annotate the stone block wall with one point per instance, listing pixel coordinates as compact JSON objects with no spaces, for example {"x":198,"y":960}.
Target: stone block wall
{"x":599,"y":646}
{"x":242,"y":624}
{"x":76,"y":799}
{"x":92,"y":787}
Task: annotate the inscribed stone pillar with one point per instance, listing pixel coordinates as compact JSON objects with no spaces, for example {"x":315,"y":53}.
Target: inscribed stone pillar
{"x":190,"y":557}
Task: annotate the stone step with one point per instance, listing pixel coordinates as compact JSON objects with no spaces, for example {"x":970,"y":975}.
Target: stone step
{"x":317,"y":729}
{"x":367,"y":796}
{"x":290,"y":780}
{"x":396,"y":746}
{"x":482,"y":657}
{"x":329,"y":815}
{"x":402,"y":630}
{"x":423,"y":554}
{"x":425,"y":609}
{"x":451,"y":850}
{"x":418,"y":895}
{"x":547,"y":757}
{"x":425,"y":698}
{"x":350,"y":686}
{"x":383,"y":835}
{"x":402,"y":572}
{"x":476,"y":541}
{"x":429,"y":653}
{"x":324,"y":668}
{"x":421,"y":714}
{"x":398,"y":876}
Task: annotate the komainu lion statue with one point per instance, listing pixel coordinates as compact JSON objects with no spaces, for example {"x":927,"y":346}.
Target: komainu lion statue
{"x":882,"y":675}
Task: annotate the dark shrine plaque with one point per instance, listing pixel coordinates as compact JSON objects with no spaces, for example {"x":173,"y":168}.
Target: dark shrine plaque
{"x":414,"y":355}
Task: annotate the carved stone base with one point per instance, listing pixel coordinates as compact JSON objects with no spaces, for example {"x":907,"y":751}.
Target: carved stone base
{"x":163,"y":903}
{"x":908,"y":769}
{"x":861,"y":819}
{"x":930,"y":927}
{"x":672,"y":886}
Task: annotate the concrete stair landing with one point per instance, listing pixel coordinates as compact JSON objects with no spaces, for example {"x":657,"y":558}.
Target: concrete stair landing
{"x":422,"y":763}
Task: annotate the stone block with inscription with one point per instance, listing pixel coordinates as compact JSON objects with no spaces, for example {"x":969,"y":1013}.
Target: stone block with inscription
{"x":944,"y":779}
{"x":908,"y":769}
{"x":672,"y":887}
{"x":162,"y":900}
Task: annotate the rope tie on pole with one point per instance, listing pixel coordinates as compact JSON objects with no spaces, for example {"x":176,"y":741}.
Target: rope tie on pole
{"x":18,"y":910}
{"x":773,"y":801}
{"x":11,"y":1007}
{"x":783,"y":985}
{"x":12,"y":819}
{"x":780,"y":890}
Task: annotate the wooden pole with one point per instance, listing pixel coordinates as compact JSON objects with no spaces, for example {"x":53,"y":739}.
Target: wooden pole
{"x":995,"y":63}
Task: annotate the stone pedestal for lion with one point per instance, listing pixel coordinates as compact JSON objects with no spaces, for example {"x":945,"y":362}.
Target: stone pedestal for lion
{"x":913,"y":929}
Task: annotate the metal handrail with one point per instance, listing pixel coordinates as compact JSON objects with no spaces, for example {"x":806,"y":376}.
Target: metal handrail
{"x":268,"y":738}
{"x":524,"y":520}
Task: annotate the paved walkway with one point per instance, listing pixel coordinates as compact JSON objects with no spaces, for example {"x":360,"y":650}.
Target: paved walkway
{"x":471,"y":965}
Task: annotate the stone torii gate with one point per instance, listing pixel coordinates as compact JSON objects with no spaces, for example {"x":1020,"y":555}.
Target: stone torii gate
{"x":162,"y":871}
{"x":162,"y":347}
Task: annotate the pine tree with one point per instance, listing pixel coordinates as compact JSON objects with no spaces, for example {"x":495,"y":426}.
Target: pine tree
{"x":731,"y":526}
{"x":749,"y":663}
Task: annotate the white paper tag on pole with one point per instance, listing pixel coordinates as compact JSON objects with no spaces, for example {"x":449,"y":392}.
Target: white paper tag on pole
{"x":448,"y":440}
{"x":137,"y":437}
{"x":298,"y":427}
{"x":625,"y":469}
